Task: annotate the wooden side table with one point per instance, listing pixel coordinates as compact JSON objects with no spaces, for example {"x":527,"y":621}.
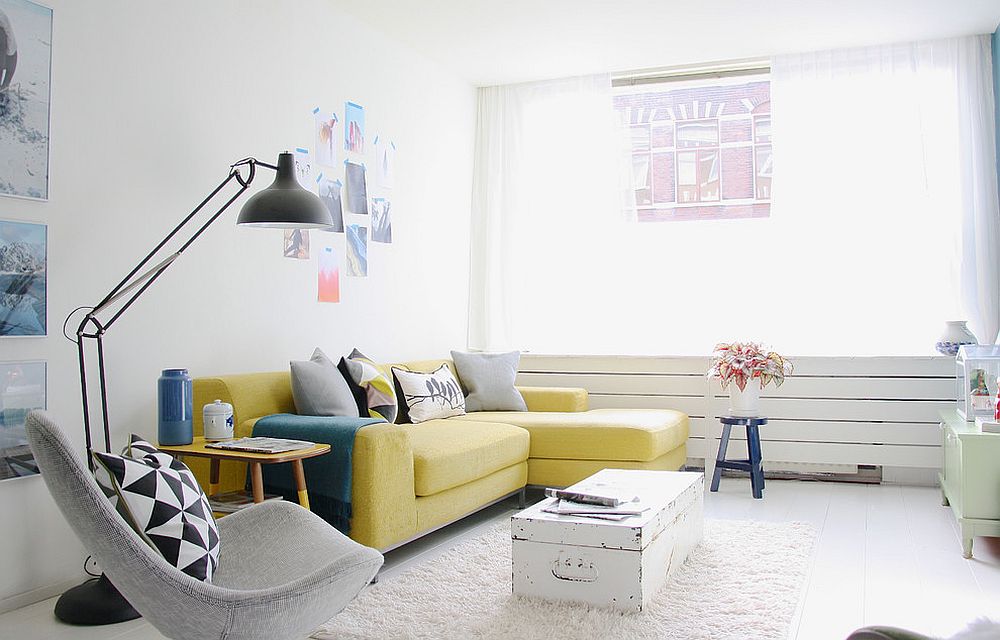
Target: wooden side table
{"x":753,"y":464}
{"x":197,"y":449}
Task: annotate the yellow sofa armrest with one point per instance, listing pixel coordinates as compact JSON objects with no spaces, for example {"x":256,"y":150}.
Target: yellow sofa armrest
{"x":383,"y":501}
{"x":555,"y":398}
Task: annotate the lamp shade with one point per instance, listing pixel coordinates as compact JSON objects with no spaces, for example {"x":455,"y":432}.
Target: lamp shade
{"x":285,"y":204}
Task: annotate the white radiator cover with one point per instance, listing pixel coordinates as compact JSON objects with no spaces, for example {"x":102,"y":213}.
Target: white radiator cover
{"x":832,"y":414}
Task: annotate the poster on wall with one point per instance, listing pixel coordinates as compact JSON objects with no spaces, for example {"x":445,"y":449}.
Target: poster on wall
{"x":385,"y":158}
{"x":357,"y":251}
{"x":329,"y":276}
{"x":381,"y":220}
{"x":22,"y":389}
{"x":354,"y":128}
{"x":357,"y":192}
{"x":303,"y":168}
{"x":326,"y":146}
{"x":329,"y":193}
{"x":25,"y":65}
{"x":23,"y":280}
{"x":296,"y":244}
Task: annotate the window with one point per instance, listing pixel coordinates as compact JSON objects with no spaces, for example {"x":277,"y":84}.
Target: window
{"x":701,"y":148}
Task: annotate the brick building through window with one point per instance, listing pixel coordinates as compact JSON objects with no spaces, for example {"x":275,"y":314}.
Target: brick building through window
{"x":701,"y":148}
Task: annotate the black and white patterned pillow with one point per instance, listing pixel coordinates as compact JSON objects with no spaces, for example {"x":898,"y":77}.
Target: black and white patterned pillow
{"x":161,"y":500}
{"x":429,"y":396}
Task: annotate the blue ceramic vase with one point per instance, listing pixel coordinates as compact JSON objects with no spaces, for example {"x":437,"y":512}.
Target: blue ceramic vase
{"x":175,"y":395}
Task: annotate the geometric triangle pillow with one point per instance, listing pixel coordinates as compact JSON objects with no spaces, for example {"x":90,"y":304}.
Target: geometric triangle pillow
{"x":161,"y":500}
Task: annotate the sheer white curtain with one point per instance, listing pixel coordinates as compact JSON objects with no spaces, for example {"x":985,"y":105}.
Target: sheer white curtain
{"x":885,"y":172}
{"x":545,"y":177}
{"x":884,"y":211}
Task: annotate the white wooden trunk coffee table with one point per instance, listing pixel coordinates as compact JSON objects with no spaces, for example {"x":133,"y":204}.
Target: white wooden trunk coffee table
{"x":619,"y":565}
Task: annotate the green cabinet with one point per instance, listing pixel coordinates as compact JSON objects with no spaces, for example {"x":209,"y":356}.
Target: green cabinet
{"x":970,"y":477}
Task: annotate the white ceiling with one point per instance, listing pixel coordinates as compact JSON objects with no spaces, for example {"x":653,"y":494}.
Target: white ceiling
{"x":502,"y":41}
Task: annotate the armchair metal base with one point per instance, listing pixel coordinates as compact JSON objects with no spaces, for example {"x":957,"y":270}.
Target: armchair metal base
{"x":94,"y":602}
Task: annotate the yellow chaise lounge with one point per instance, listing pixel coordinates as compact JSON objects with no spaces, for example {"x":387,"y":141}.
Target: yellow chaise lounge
{"x":409,"y":479}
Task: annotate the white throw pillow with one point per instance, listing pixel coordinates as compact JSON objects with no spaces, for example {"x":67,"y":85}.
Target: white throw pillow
{"x":430,"y":395}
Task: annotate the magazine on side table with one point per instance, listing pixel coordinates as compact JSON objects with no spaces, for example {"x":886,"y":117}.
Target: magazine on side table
{"x":261,"y":445}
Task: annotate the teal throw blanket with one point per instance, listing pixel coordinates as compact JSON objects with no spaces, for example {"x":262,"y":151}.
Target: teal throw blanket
{"x":328,"y":477}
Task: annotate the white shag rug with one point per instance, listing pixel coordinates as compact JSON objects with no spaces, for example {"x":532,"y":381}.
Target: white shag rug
{"x":743,"y":581}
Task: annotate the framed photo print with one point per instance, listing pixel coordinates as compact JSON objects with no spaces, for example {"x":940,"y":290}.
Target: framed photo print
{"x":22,"y":388}
{"x":25,"y":71}
{"x":23,"y":280}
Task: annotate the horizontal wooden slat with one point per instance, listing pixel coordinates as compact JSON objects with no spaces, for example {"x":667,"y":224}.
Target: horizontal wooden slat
{"x":643,"y":384}
{"x":695,"y":365}
{"x":852,"y":454}
{"x":696,"y":448}
{"x":792,"y":409}
{"x":924,"y":434}
{"x":692,"y":405}
{"x":901,"y":366}
{"x":839,"y":453}
{"x":865,"y":388}
{"x":794,"y":387}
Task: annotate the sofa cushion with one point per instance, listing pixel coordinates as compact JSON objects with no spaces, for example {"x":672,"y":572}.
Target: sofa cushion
{"x":599,"y":434}
{"x":488,"y":380}
{"x":429,"y":396}
{"x":448,"y":453}
{"x":379,"y":392}
{"x":319,"y":389}
{"x":159,"y":497}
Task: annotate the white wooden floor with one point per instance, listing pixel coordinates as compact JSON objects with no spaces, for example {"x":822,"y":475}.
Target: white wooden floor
{"x":885,"y":555}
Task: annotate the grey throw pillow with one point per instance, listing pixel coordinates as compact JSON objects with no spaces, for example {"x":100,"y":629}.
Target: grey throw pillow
{"x":319,"y":389}
{"x":488,"y":379}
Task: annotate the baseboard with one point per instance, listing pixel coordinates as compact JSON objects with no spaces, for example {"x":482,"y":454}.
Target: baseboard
{"x":910,"y":476}
{"x":37,"y":595}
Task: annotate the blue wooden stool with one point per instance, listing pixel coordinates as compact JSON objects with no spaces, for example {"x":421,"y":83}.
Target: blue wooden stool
{"x":753,"y":448}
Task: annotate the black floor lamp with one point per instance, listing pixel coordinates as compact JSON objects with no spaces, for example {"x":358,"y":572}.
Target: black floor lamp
{"x":282,"y":205}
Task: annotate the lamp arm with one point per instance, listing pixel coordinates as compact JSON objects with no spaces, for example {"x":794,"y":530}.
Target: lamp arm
{"x":133,"y":285}
{"x":233,"y":173}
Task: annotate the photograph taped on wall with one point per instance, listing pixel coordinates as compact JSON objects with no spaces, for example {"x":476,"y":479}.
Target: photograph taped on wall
{"x":329,"y":193}
{"x":385,"y":159}
{"x":329,"y":276}
{"x":357,"y":251}
{"x":297,"y":244}
{"x":354,"y":128}
{"x":22,"y":388}
{"x":303,"y":168}
{"x":326,"y":147}
{"x":25,"y":71}
{"x":23,"y":279}
{"x":381,"y":220}
{"x":357,"y":191}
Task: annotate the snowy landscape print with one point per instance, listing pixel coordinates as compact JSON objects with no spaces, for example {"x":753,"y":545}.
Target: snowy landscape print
{"x":25,"y":61}
{"x":22,"y":279}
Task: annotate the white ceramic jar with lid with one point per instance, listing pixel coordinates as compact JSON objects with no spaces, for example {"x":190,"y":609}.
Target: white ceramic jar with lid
{"x":218,"y":420}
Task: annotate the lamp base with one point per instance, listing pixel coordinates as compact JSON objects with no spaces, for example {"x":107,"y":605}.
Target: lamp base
{"x":94,"y":602}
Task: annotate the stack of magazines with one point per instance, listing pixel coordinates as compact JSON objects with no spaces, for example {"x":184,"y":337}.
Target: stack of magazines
{"x":261,"y":445}
{"x":233,"y":501}
{"x":592,"y":505}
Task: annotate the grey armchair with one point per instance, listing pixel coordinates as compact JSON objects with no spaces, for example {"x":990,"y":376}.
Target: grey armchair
{"x":886,"y":633}
{"x":282,"y":572}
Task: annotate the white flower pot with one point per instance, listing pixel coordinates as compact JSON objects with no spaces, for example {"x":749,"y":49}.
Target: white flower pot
{"x":744,"y":403}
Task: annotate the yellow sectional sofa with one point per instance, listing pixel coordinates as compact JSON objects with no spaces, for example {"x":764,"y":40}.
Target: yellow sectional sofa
{"x":409,"y":479}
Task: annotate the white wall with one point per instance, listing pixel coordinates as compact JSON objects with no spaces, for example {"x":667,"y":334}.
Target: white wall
{"x":151,"y":103}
